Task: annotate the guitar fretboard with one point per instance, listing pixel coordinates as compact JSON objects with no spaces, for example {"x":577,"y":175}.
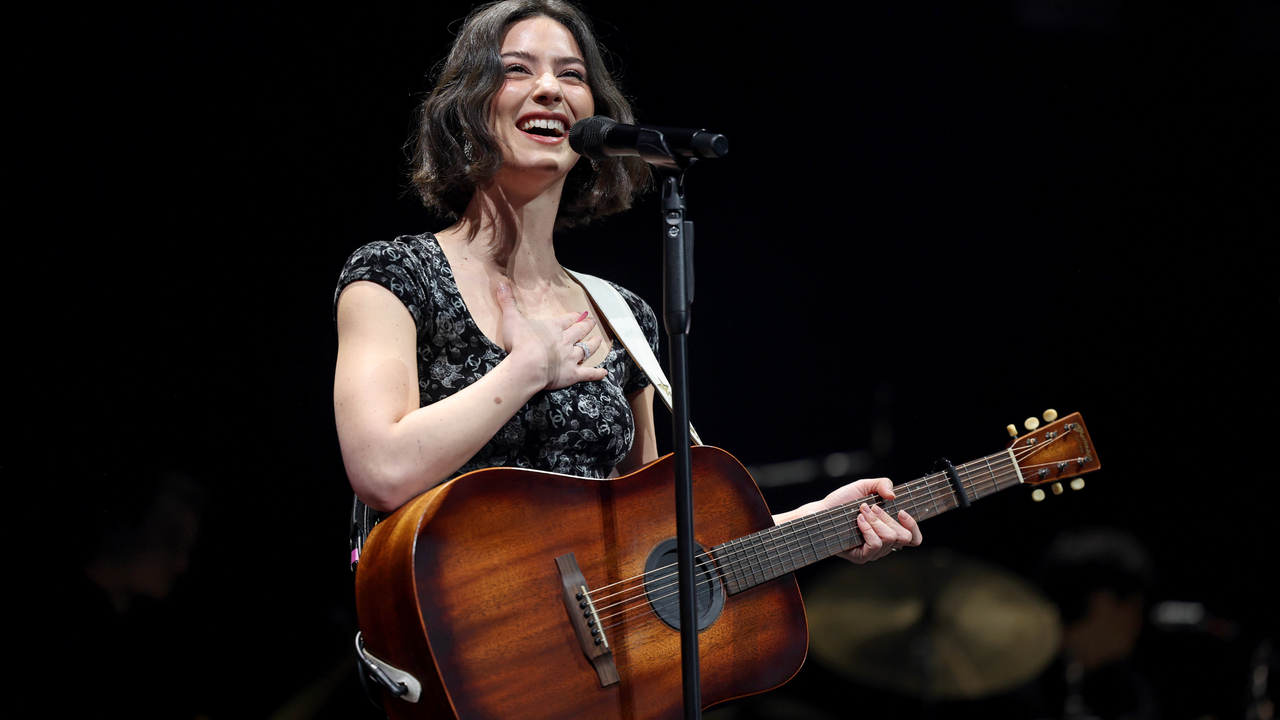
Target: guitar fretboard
{"x":772,"y":553}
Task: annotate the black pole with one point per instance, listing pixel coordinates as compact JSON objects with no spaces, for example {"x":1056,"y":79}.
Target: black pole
{"x":677,"y":292}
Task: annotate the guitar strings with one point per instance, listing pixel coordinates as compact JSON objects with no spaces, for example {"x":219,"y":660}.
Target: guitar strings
{"x":650,"y":614}
{"x":794,"y":529}
{"x":906,"y":491}
{"x":729,"y":555}
{"x":925,"y":483}
{"x":794,"y":532}
{"x":792,"y":535}
{"x":767,"y":568}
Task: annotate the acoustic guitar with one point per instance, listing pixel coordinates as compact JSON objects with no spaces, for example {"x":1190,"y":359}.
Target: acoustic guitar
{"x":520,"y":595}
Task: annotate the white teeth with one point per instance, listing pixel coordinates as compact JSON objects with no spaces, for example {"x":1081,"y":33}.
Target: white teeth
{"x":544,"y":123}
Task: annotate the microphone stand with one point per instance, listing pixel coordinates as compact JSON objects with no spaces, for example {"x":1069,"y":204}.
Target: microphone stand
{"x":677,"y":296}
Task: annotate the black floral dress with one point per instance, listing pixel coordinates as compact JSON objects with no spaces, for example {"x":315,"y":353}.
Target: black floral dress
{"x":585,"y":429}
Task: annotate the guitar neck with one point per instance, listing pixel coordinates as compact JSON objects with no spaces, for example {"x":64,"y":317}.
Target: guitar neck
{"x":760,"y":557}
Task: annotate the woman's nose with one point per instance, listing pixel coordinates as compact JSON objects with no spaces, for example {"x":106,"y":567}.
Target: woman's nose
{"x":548,"y":89}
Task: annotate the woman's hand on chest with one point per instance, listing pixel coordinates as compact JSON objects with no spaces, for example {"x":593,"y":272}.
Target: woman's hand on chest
{"x":556,"y":349}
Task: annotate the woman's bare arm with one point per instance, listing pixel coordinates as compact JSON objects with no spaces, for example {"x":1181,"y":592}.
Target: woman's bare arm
{"x":392,"y":448}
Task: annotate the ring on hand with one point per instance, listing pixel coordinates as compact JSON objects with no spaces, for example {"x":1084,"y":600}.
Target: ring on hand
{"x":586,"y":351}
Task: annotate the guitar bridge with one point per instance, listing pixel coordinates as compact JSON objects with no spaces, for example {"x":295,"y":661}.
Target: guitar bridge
{"x":585,"y":621}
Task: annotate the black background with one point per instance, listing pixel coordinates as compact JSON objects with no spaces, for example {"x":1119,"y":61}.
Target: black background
{"x":936,"y":219}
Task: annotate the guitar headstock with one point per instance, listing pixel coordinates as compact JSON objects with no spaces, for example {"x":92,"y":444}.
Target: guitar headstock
{"x":1051,"y":453}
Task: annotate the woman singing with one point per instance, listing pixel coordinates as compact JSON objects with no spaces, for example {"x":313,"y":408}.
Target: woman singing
{"x":472,"y":347}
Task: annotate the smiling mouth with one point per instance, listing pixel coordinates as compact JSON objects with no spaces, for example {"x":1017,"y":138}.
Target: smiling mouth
{"x":546,"y":127}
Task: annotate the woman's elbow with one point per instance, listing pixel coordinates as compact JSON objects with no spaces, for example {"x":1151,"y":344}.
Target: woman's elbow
{"x":380,"y":499}
{"x":386,"y":488}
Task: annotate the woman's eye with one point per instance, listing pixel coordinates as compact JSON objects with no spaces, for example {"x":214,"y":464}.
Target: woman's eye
{"x":575,"y":74}
{"x":517,"y":68}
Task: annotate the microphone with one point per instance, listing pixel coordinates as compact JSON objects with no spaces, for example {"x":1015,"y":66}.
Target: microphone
{"x":600,"y":138}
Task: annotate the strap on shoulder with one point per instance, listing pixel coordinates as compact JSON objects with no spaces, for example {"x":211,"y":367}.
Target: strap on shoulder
{"x":624,"y":326}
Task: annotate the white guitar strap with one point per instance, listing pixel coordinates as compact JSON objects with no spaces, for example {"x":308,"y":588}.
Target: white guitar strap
{"x":624,"y":326}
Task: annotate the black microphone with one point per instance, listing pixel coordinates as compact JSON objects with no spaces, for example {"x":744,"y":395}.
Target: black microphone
{"x":600,"y":138}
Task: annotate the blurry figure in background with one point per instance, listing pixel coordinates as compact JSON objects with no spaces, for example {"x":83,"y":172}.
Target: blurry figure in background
{"x":1100,"y":580}
{"x":141,"y":551}
{"x":138,"y":532}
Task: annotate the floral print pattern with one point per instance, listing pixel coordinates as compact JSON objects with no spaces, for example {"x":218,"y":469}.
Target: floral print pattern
{"x":585,"y":429}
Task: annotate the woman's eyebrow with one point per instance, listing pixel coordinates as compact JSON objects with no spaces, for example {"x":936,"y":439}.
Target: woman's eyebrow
{"x":530,"y":57}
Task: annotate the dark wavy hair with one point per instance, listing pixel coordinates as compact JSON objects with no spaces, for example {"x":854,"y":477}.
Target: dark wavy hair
{"x":457,"y":112}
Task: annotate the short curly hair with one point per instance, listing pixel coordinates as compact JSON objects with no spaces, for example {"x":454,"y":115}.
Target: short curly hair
{"x":457,"y":113}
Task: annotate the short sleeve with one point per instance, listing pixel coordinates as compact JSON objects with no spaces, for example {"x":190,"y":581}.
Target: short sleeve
{"x":648,"y":322}
{"x":395,"y":265}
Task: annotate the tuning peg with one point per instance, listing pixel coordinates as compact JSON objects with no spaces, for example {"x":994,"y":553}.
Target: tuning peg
{"x":1057,"y":488}
{"x":1077,"y":484}
{"x":1031,"y":423}
{"x":1050,"y":415}
{"x":1013,"y":431}
{"x":1037,"y":495}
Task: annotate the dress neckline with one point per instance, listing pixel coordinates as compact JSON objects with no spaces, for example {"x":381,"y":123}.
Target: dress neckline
{"x":466,"y":311}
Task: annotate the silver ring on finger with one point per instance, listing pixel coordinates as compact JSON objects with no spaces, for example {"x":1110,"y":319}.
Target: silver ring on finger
{"x":586,"y":351}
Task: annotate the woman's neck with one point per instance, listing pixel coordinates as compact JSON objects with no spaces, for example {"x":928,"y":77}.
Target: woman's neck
{"x":511,"y":233}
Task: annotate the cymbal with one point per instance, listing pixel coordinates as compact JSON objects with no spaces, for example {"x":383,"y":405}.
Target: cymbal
{"x":932,"y":623}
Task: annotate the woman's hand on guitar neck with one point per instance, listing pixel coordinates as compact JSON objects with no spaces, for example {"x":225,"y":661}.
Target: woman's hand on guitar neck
{"x":881,"y":532}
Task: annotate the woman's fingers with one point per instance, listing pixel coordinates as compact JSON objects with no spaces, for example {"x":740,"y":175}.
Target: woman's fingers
{"x":894,"y":533}
{"x":564,"y":356}
{"x":580,"y":328}
{"x":575,"y":325}
{"x":913,"y":527}
{"x":881,"y":534}
{"x":568,"y":320}
{"x":593,"y":344}
{"x":872,"y":544}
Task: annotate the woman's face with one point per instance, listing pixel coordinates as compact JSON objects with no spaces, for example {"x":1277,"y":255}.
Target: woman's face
{"x":544,"y":93}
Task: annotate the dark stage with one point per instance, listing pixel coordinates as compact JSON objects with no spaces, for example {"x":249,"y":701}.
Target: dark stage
{"x":936,"y":219}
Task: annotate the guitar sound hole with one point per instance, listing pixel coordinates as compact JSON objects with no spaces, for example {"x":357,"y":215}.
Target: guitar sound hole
{"x":662,"y":587}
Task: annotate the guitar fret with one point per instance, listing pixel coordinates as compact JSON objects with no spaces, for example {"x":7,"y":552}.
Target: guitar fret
{"x":758,"y":569}
{"x":797,"y":542}
{"x":763,"y":556}
{"x":733,"y":555}
{"x":787,"y":549}
{"x":776,"y":547}
{"x":812,"y":534}
{"x":933,"y":500}
{"x":832,"y":537}
{"x":777,"y":562}
{"x":766,"y":562}
{"x":963,"y":474}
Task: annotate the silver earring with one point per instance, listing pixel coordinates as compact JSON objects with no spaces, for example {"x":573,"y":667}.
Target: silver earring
{"x":466,"y":151}
{"x":595,"y":166}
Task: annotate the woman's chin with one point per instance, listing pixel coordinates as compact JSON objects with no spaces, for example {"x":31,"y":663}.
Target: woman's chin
{"x":544,"y":171}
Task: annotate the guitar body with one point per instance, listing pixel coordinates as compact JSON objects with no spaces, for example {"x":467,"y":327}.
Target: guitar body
{"x":460,"y":588}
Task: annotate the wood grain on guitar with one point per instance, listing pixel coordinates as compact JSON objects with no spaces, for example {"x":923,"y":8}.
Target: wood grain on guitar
{"x":467,"y":586}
